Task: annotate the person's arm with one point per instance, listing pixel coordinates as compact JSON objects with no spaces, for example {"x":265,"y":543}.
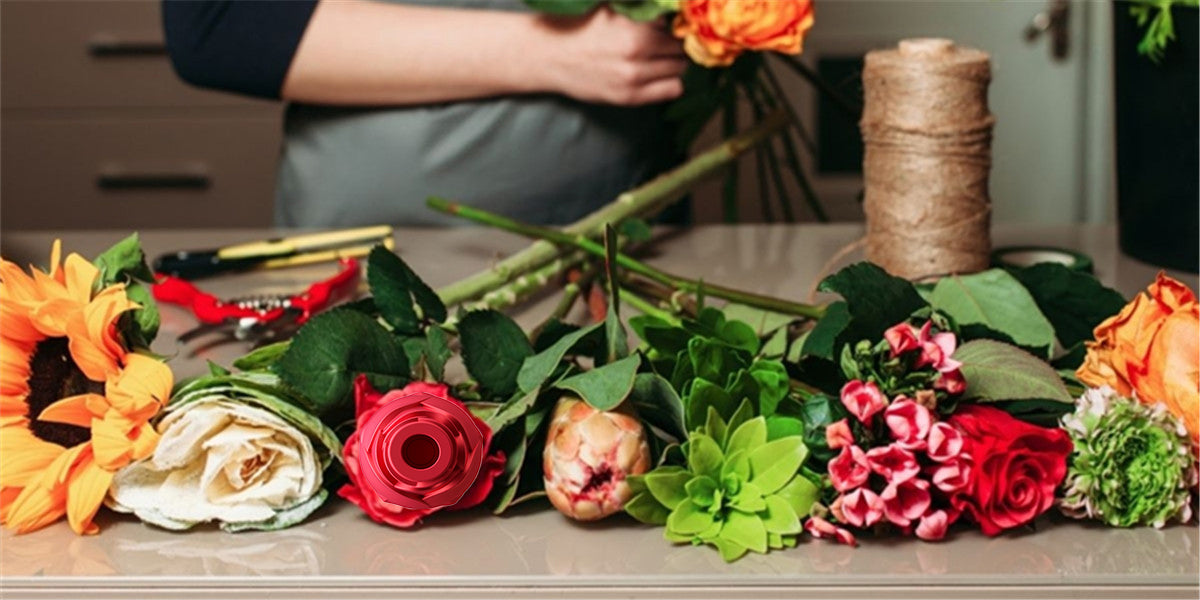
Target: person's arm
{"x":356,"y":52}
{"x":235,"y":45}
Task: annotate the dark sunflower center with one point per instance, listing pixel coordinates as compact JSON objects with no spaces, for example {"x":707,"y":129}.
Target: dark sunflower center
{"x":55,"y":376}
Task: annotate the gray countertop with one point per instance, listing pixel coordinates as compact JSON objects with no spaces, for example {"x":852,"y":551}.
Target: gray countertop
{"x":537,"y":553}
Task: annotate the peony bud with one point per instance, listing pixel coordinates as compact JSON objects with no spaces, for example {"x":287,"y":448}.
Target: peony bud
{"x":589,"y":453}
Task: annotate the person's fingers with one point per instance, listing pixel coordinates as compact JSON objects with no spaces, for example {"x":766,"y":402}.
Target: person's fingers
{"x":660,"y":68}
{"x":659,"y":90}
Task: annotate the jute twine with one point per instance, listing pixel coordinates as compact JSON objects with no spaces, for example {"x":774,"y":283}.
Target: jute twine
{"x":927,"y":134}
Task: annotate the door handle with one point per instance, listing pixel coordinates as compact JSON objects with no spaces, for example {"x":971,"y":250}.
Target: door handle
{"x":104,"y":45}
{"x":1055,"y":22}
{"x":188,"y":176}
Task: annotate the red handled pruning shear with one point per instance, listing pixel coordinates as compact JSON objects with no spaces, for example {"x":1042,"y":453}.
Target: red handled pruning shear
{"x":256,"y":318}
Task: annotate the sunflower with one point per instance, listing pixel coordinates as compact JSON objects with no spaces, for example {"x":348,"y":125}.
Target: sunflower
{"x":75,"y":404}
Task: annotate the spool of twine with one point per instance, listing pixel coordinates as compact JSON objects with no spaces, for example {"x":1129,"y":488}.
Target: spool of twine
{"x":927,"y":135}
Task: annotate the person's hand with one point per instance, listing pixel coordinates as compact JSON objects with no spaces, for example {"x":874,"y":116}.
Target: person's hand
{"x":610,"y":59}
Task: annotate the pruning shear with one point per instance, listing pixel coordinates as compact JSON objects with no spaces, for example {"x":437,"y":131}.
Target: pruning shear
{"x":261,"y":318}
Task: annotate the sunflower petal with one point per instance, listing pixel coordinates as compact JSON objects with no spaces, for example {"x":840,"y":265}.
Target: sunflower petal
{"x":74,"y":410}
{"x":86,"y":491}
{"x":90,"y":357}
{"x":36,"y":507}
{"x":14,"y":366}
{"x":79,"y":277}
{"x":51,"y":317}
{"x":15,"y":323}
{"x":55,"y":257}
{"x":19,"y":467}
{"x":110,"y":442}
{"x":16,"y":285}
{"x":142,"y":388}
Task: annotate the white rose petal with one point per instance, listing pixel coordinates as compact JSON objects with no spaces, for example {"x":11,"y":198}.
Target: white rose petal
{"x":219,"y":460}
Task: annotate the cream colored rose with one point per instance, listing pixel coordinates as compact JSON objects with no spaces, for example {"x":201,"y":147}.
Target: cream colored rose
{"x":220,"y":460}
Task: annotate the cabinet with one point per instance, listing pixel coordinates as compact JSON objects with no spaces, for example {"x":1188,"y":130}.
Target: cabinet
{"x":97,"y":132}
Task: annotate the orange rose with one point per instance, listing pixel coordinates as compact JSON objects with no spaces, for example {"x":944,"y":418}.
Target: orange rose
{"x":1152,"y":347}
{"x":715,"y":32}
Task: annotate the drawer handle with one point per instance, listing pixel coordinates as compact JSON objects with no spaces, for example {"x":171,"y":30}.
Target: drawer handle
{"x":116,"y":178}
{"x":104,"y":45}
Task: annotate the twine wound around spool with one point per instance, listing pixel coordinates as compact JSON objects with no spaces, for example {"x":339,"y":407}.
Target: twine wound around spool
{"x":927,"y":152}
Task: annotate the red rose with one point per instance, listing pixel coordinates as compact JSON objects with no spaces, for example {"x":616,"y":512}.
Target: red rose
{"x":1017,"y":467}
{"x":361,"y":492}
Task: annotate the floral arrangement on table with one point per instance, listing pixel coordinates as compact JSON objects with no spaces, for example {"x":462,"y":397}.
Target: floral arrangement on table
{"x":985,"y":399}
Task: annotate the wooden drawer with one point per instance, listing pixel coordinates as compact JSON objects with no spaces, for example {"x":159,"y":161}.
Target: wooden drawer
{"x":60,"y":54}
{"x":137,"y":173}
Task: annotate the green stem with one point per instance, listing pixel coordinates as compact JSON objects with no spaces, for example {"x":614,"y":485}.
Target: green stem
{"x":523,"y":286}
{"x":644,"y":306}
{"x":793,"y":158}
{"x":625,"y":261}
{"x":642,"y":201}
{"x":785,"y":201}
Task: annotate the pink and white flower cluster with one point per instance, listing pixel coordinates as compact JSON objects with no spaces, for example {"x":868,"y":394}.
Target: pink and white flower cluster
{"x":935,"y":349}
{"x":907,"y":482}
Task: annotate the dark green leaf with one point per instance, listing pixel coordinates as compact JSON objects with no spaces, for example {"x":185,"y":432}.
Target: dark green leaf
{"x":739,"y":335}
{"x":701,"y":397}
{"x":1072,"y":358}
{"x":493,"y":349}
{"x":1045,"y":413}
{"x":537,"y":368}
{"x":512,"y":410}
{"x":658,"y":405}
{"x":145,"y":318}
{"x":636,"y":230}
{"x":551,"y":332}
{"x":437,"y":352}
{"x":331,"y":349}
{"x":997,"y":301}
{"x":874,"y":299}
{"x":614,"y":331}
{"x":822,"y":340}
{"x":604,"y":388}
{"x":396,"y":287}
{"x":996,"y":371}
{"x":1074,"y":302}
{"x":773,"y":384}
{"x":562,"y":7}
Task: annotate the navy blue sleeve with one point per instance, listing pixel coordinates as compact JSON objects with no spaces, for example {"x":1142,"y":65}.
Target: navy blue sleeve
{"x":242,"y":46}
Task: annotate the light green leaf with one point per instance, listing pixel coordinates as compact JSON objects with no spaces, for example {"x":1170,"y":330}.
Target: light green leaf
{"x":997,"y":302}
{"x":644,"y":11}
{"x":702,"y":491}
{"x":704,"y":456}
{"x":645,"y":508}
{"x":749,"y":499}
{"x":781,"y":427}
{"x":605,"y":387}
{"x":745,"y":530}
{"x":537,"y":368}
{"x":773,"y":464}
{"x":262,"y":357}
{"x":668,"y":485}
{"x":730,"y":550}
{"x":781,"y":518}
{"x":996,"y":371}
{"x":744,"y":412}
{"x":715,"y":426}
{"x":800,"y":494}
{"x":737,"y":463}
{"x":749,"y":435}
{"x":687,"y":518}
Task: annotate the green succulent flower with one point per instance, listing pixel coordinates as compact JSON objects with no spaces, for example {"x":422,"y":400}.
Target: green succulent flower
{"x":1133,"y":464}
{"x":739,"y":492}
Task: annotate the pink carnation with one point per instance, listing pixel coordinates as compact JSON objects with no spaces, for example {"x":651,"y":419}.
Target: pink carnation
{"x":894,"y":463}
{"x":901,"y":338}
{"x":945,"y":442}
{"x":863,"y":399}
{"x":849,"y":469}
{"x":909,"y":423}
{"x":906,"y":501}
{"x":838,"y":435}
{"x":861,"y":508}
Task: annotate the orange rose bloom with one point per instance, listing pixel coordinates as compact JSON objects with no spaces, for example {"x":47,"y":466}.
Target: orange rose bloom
{"x":1152,"y":348}
{"x":715,"y":32}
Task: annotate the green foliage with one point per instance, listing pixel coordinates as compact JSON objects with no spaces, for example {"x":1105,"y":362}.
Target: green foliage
{"x":563,"y":7}
{"x":604,"y":388}
{"x":874,"y":301}
{"x":1074,"y":302}
{"x":644,"y":10}
{"x":739,"y":491}
{"x":333,"y":348}
{"x":1155,"y":16}
{"x":125,"y":262}
{"x":996,"y":372}
{"x":398,"y":293}
{"x":994,"y":305}
{"x":494,"y":348}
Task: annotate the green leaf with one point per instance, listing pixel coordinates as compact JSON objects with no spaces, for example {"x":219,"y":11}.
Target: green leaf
{"x":123,"y":262}
{"x":773,"y":384}
{"x":701,"y":491}
{"x":644,"y":11}
{"x":395,"y":287}
{"x":739,"y":335}
{"x":713,"y":359}
{"x":781,"y":427}
{"x":1074,"y":302}
{"x":996,"y":371}
{"x":996,"y":301}
{"x":656,"y":403}
{"x":704,"y":456}
{"x":263,"y":357}
{"x":563,"y":7}
{"x":688,"y":518}
{"x":146,"y":318}
{"x":705,"y":395}
{"x":748,"y":436}
{"x":604,"y":388}
{"x":537,"y":368}
{"x":730,"y":550}
{"x":744,"y":412}
{"x":780,"y":517}
{"x":646,"y":509}
{"x":668,"y":485}
{"x":331,"y":349}
{"x":749,"y":499}
{"x":493,"y":348}
{"x":874,"y":299}
{"x":800,"y":494}
{"x":1045,"y":413}
{"x":614,"y":331}
{"x":437,"y":352}
{"x":737,"y":463}
{"x":822,"y":340}
{"x":513,"y":409}
{"x":745,"y":530}
{"x":635,"y":230}
{"x":715,"y":426}
{"x":773,"y":464}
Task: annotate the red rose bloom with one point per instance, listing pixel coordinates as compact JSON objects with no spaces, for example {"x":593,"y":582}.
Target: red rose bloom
{"x":367,"y":402}
{"x":1017,"y":467}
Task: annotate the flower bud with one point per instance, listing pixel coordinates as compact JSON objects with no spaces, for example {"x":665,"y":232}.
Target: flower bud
{"x":589,"y":453}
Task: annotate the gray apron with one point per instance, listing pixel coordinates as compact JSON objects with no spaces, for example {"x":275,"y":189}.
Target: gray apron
{"x":541,"y":159}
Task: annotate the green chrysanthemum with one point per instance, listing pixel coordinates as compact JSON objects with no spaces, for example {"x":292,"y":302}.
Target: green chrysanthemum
{"x":1132,"y":464}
